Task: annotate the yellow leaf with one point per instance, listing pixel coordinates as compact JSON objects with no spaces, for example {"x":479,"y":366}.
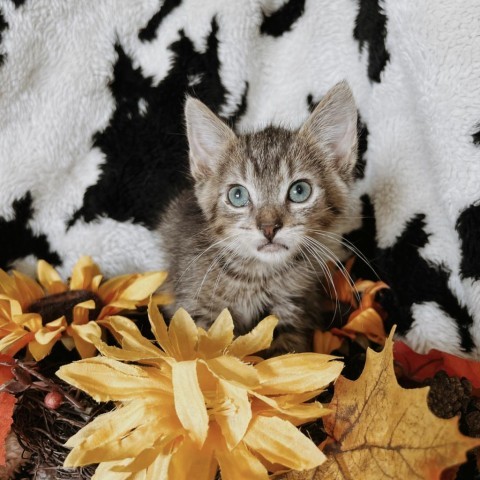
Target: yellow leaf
{"x":380,"y":430}
{"x":258,"y":339}
{"x":183,"y":335}
{"x":297,"y":373}
{"x":280,"y":442}
{"x":189,"y":401}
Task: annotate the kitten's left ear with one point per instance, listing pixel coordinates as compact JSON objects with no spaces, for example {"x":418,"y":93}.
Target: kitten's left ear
{"x":208,"y":137}
{"x":333,"y":126}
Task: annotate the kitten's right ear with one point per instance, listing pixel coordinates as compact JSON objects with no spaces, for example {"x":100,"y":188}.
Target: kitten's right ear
{"x":208,"y":137}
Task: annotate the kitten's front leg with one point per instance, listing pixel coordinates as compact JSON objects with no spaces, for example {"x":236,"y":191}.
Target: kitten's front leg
{"x":294,"y":332}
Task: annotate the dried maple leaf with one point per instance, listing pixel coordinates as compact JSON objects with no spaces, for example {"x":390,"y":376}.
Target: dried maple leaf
{"x":379,"y":430}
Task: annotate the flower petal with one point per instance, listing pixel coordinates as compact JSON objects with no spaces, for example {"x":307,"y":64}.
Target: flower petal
{"x":189,"y":400}
{"x":297,"y":373}
{"x":240,"y":464}
{"x":280,"y":442}
{"x":258,"y":339}
{"x":94,"y":376}
{"x":102,"y":430}
{"x":82,"y":336}
{"x":104,"y":470}
{"x":15,"y":341}
{"x":218,"y":337}
{"x":40,"y":350}
{"x":159,"y":329}
{"x":189,"y":462}
{"x":49,"y":278}
{"x":143,"y":286}
{"x":165,"y":446}
{"x":234,"y":370}
{"x":28,"y":288}
{"x":130,"y":336}
{"x":123,"y":437}
{"x":83,"y":273}
{"x":45,"y":335}
{"x":295,"y":414}
{"x":232,"y":412}
{"x":369,"y":322}
{"x":183,"y":335}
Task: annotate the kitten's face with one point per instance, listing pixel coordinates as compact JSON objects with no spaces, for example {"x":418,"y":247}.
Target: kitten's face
{"x":267,"y":194}
{"x":271,"y":190}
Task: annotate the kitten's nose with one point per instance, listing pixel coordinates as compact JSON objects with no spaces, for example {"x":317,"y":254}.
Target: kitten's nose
{"x":269,"y":230}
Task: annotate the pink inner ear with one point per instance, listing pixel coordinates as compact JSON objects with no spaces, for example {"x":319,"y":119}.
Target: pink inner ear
{"x":200,"y":158}
{"x":345,"y":140}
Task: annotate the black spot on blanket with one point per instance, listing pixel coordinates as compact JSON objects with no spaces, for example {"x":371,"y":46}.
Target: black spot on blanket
{"x":17,"y":239}
{"x":150,"y":31}
{"x":240,"y":109}
{"x":468,"y":228}
{"x":282,"y":20}
{"x":476,"y":137}
{"x":362,"y":244}
{"x":370,"y":28}
{"x":18,"y":3}
{"x":362,"y":131}
{"x":145,"y":144}
{"x":414,"y":280}
{"x":3,"y":26}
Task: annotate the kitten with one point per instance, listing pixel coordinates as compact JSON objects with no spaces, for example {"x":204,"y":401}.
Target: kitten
{"x":254,"y":233}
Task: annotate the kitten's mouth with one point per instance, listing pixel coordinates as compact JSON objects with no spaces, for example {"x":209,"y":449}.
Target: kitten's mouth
{"x":272,"y":247}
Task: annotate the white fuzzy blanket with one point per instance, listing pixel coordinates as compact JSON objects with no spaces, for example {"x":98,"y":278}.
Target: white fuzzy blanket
{"x":92,"y":144}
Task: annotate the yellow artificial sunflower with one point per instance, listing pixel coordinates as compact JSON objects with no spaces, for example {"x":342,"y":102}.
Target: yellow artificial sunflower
{"x":195,"y":404}
{"x":38,"y":314}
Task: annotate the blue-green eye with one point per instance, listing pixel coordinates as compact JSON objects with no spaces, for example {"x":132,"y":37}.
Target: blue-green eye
{"x":238,"y":196}
{"x":299,"y":191}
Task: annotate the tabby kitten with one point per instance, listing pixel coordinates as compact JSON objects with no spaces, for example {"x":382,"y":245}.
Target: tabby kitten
{"x":255,"y":232}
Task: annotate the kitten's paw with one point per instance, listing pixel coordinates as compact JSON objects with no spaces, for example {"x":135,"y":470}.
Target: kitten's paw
{"x":289,"y":339}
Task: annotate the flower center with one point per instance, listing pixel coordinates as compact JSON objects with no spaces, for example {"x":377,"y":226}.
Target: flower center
{"x":54,"y":306}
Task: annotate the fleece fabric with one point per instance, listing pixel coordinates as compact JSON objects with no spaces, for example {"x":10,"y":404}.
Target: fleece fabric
{"x":93,"y":147}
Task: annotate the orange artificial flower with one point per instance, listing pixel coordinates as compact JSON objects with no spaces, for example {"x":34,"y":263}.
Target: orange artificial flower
{"x":38,"y":314}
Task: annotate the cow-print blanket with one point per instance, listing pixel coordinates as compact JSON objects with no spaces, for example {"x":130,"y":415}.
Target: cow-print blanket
{"x":92,"y":143}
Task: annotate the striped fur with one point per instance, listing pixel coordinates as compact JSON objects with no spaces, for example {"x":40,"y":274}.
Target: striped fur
{"x":219,"y":256}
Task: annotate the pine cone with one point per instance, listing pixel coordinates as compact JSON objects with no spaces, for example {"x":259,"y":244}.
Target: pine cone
{"x":448,"y":396}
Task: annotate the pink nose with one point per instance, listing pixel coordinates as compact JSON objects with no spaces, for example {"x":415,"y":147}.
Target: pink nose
{"x":269,"y":230}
